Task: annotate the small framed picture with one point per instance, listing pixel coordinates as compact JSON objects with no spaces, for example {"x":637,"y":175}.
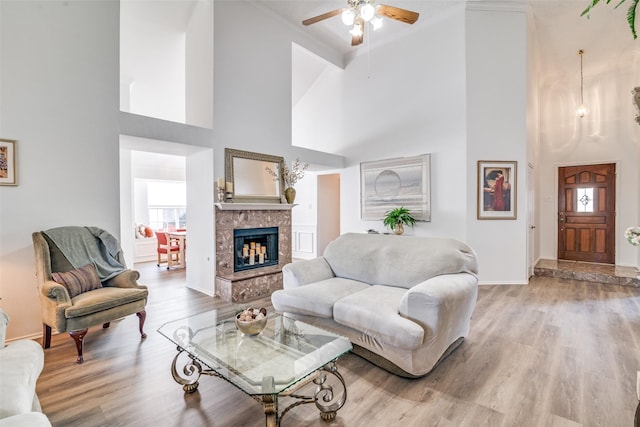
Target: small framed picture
{"x":8,"y":162}
{"x":497,"y":189}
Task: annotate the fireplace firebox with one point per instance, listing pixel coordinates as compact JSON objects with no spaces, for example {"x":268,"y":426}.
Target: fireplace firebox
{"x":255,"y":248}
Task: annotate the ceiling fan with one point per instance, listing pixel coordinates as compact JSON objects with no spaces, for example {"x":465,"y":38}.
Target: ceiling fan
{"x":358,"y":12}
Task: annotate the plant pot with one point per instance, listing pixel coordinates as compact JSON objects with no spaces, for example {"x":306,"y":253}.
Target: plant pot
{"x":290,"y":195}
{"x":399,"y":229}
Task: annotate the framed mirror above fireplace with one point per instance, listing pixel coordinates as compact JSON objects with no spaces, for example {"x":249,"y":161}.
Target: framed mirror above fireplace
{"x":252,"y":183}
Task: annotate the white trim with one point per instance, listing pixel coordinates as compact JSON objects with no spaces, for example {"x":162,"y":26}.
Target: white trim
{"x":497,"y":6}
{"x":254,"y":206}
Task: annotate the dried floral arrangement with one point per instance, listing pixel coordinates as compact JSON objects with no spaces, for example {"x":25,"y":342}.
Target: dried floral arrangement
{"x":290,"y":176}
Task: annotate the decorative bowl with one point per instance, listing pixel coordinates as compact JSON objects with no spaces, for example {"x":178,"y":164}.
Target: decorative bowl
{"x":252,"y":327}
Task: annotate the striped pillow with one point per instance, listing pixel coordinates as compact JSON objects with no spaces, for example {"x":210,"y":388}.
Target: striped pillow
{"x":78,"y":281}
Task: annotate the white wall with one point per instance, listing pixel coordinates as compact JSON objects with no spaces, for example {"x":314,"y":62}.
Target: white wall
{"x":396,"y":103}
{"x":199,"y":66}
{"x":253,"y":84}
{"x":313,"y":127}
{"x":60,"y":101}
{"x":201,"y":244}
{"x":497,"y":69}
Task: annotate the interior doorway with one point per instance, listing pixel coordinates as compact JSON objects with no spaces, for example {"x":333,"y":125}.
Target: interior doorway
{"x":586,"y":213}
{"x":198,"y":177}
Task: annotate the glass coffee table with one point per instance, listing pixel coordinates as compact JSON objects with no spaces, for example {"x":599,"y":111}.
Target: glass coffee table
{"x":285,"y":356}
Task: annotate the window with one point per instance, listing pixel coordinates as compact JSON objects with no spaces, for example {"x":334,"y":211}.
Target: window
{"x":167,"y":204}
{"x":585,"y":200}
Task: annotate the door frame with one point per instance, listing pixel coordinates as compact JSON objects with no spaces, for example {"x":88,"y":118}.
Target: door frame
{"x":557,"y":166}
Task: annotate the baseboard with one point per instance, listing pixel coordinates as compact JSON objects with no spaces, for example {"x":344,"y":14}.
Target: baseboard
{"x":35,"y":337}
{"x":502,"y":283}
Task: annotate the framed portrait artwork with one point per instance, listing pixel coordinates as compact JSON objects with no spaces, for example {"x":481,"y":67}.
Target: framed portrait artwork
{"x":8,"y":162}
{"x":393,"y":183}
{"x":497,"y":189}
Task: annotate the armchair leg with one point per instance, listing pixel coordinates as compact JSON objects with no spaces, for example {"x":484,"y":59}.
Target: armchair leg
{"x":78,"y":337}
{"x":142,"y":316}
{"x":46,"y":336}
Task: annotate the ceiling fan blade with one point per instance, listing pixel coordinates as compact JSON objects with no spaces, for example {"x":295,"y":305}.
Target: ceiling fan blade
{"x":323,"y":16}
{"x":357,"y":40}
{"x":397,"y":13}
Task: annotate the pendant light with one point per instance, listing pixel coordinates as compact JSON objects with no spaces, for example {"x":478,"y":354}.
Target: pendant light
{"x":582,"y":109}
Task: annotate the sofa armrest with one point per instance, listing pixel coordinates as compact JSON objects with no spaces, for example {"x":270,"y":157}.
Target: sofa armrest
{"x":31,"y":419}
{"x":126,"y":279}
{"x":303,"y":272}
{"x":443,"y":302}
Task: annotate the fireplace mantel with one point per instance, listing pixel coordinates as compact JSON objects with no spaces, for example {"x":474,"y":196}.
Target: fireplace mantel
{"x":254,"y":206}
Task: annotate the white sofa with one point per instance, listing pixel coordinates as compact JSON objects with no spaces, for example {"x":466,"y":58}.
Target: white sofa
{"x":20,"y":365}
{"x":404,"y":302}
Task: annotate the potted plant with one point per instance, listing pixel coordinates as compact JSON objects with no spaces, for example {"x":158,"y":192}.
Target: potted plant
{"x":396,"y":218}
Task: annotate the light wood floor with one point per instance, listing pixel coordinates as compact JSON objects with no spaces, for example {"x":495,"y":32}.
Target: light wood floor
{"x":556,"y":352}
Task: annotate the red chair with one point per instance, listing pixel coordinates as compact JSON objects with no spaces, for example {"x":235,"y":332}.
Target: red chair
{"x":171,"y":252}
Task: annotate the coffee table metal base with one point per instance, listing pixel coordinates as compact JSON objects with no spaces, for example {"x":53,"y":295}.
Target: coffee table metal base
{"x":325,"y":399}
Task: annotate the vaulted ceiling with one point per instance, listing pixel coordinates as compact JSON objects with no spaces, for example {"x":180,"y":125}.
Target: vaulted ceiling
{"x":605,"y":36}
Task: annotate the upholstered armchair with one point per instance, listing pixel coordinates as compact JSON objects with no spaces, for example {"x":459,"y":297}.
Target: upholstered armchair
{"x":83,"y":282}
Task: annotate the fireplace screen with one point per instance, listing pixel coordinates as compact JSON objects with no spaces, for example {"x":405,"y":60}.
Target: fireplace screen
{"x":255,"y":248}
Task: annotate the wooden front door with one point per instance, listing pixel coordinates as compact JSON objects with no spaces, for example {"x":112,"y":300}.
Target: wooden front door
{"x":586,"y":213}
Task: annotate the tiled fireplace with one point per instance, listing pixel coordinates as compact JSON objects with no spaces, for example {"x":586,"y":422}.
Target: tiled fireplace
{"x":265,"y":229}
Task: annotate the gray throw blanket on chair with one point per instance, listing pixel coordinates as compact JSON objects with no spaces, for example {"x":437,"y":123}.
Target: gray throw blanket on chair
{"x":84,"y":245}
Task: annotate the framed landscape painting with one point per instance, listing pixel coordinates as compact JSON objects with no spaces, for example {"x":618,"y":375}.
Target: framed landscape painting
{"x":497,"y":189}
{"x":393,"y":183}
{"x":8,"y":174}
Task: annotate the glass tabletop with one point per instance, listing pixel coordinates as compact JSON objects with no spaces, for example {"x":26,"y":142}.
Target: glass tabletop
{"x":285,"y":352}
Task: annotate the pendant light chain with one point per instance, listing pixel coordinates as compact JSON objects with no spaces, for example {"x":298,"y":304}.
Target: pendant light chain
{"x":582,"y":109}
{"x":581,"y":53}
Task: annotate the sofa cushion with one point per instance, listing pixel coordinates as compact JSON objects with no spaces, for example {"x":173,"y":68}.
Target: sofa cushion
{"x":374,"y":312}
{"x":20,"y":365}
{"x":83,"y":279}
{"x":315,"y":299}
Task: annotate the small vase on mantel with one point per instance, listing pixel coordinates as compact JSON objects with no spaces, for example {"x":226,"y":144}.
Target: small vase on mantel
{"x":290,"y":195}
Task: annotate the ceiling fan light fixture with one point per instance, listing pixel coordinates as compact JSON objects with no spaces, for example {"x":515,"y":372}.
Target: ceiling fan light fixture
{"x":356,"y":31}
{"x":367,"y":12}
{"x":376,"y":22}
{"x":348,"y":17}
{"x":357,"y":12}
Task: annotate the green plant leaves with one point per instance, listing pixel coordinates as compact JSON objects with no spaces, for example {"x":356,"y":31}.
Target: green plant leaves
{"x":631,"y":17}
{"x":631,"y":13}
{"x":397,"y":216}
